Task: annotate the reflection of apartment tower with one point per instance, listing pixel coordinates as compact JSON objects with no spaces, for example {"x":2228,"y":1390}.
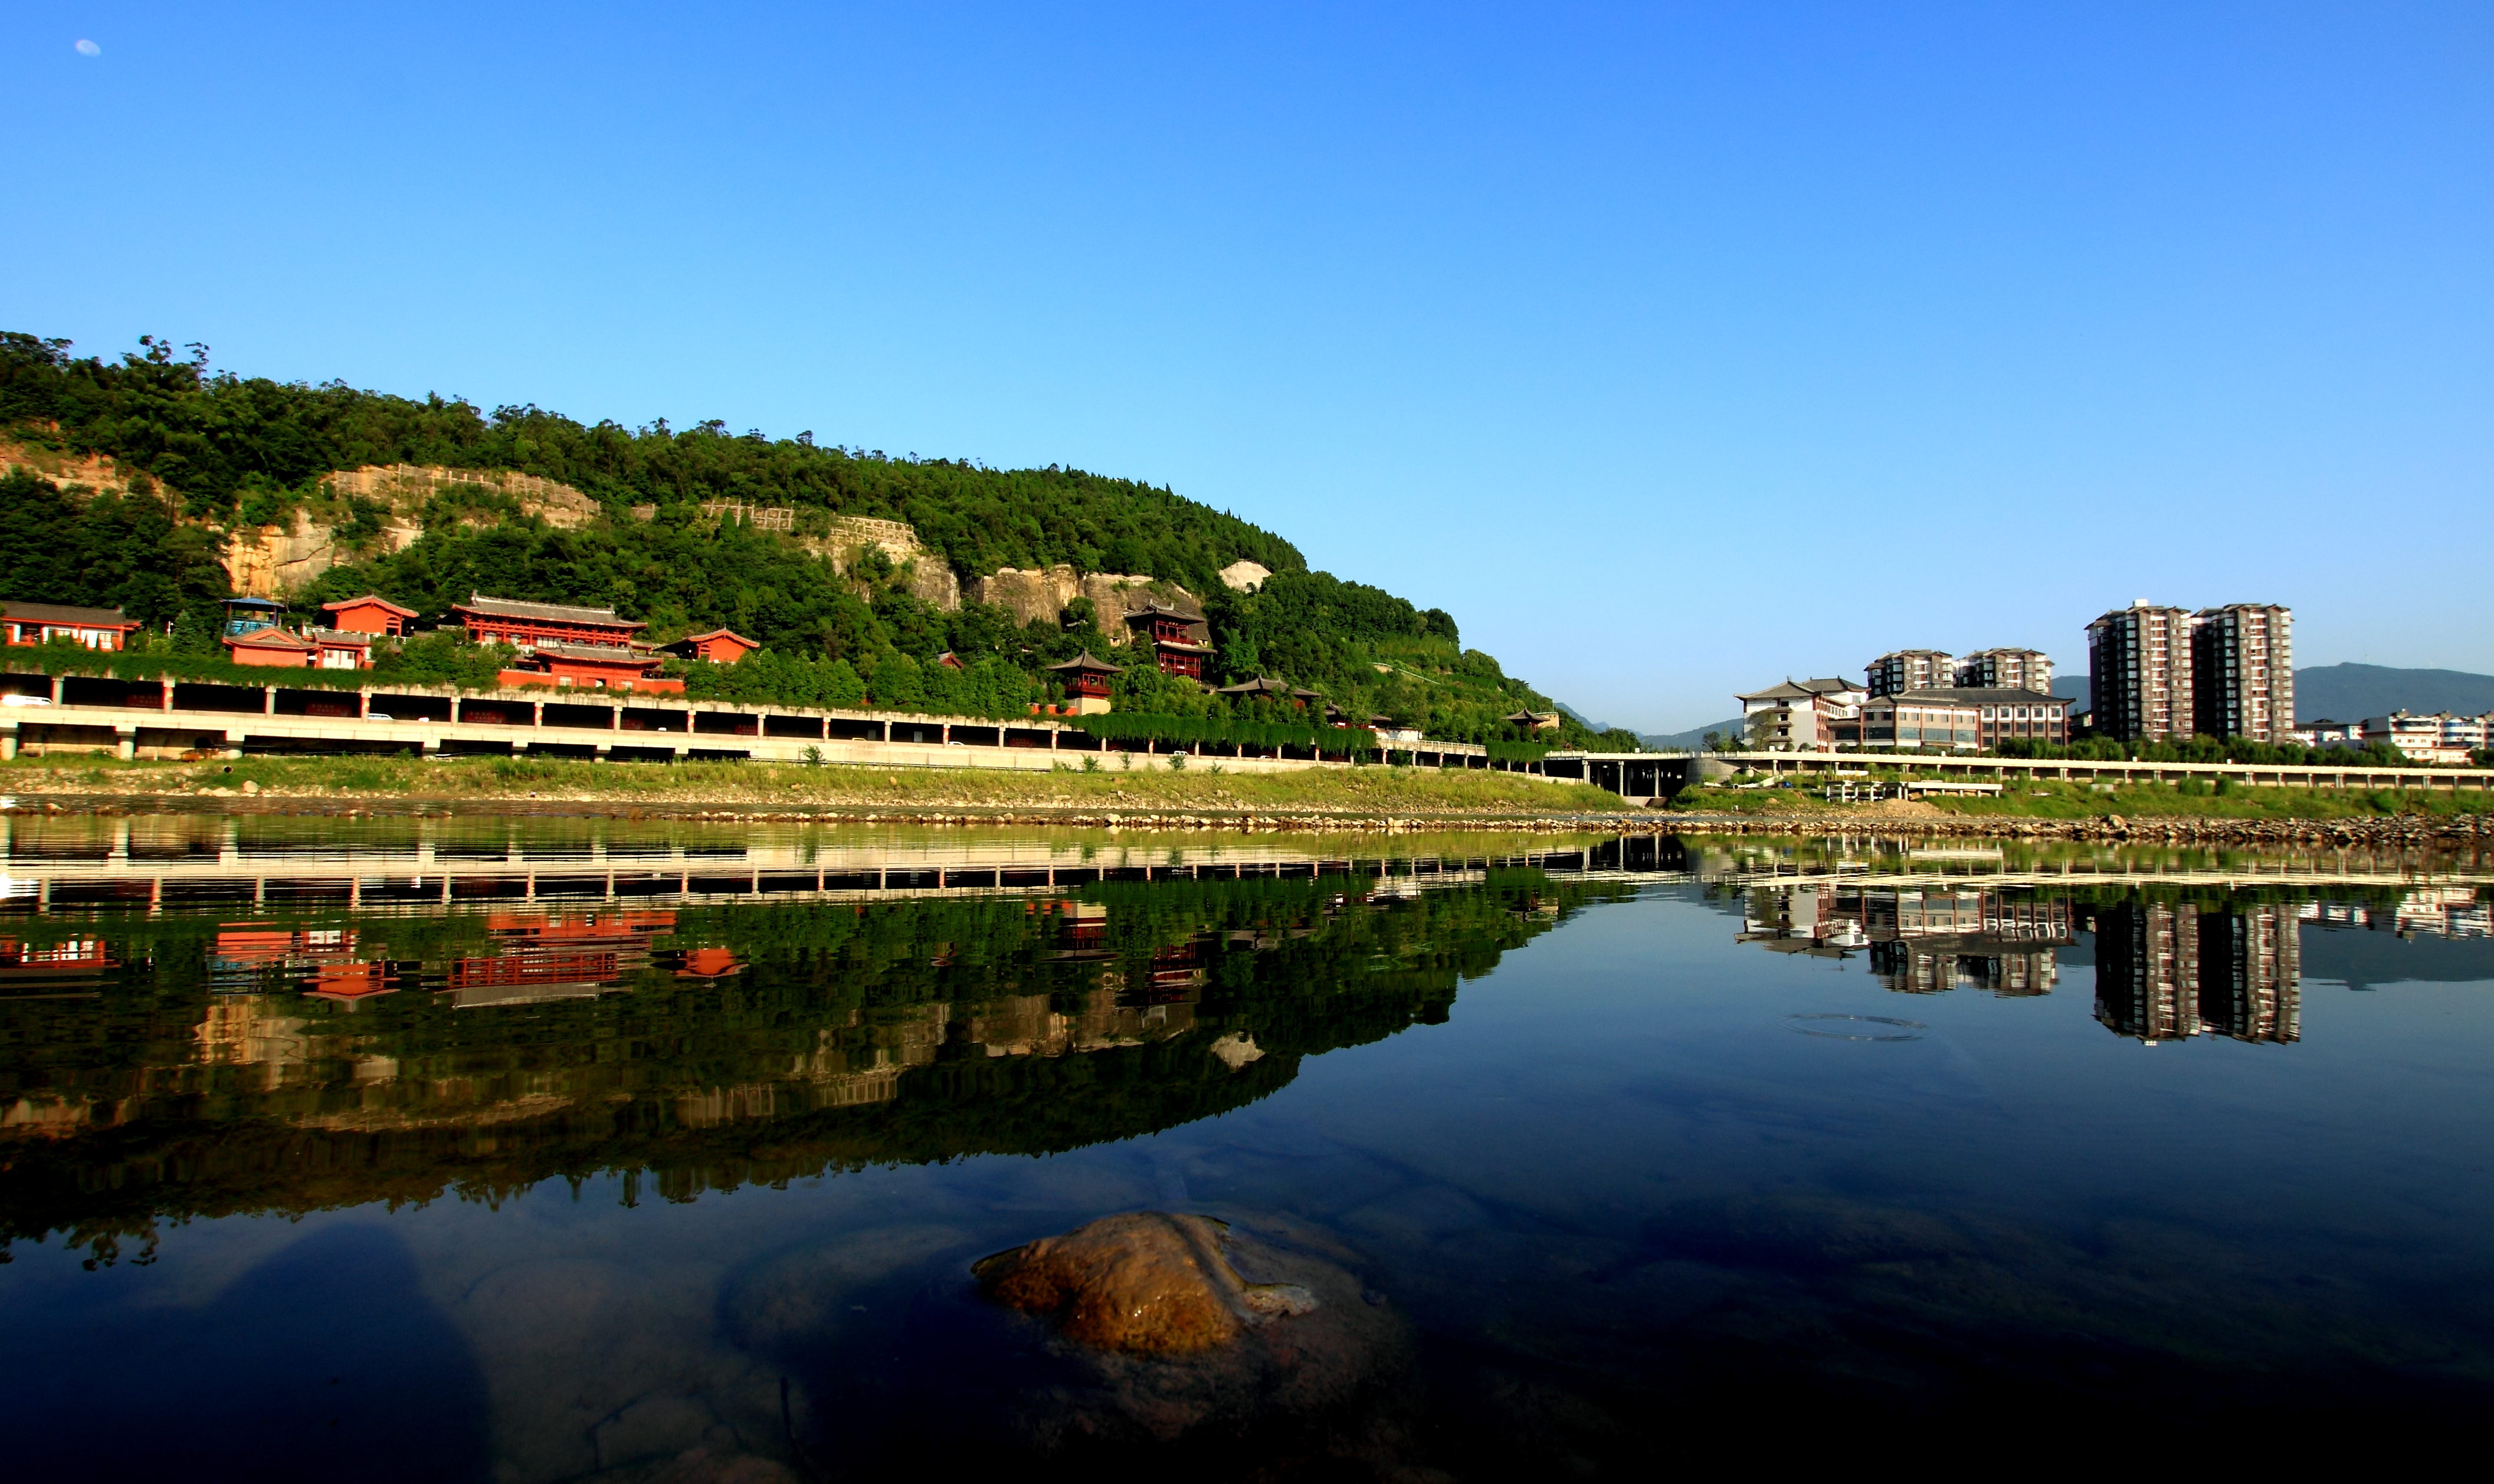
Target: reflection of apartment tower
{"x":2148,"y":970}
{"x":2242,"y":669}
{"x":2139,"y":673}
{"x":2167,"y":972}
{"x":2251,"y":974}
{"x":2006,"y":670}
{"x":1903,"y":670}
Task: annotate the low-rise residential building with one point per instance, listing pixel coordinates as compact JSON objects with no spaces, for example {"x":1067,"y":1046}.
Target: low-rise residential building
{"x":1925,"y":719}
{"x":2438,"y":739}
{"x":1799,"y":715}
{"x":2327,"y":733}
{"x":97,"y":628}
{"x":2006,"y":670}
{"x":1958,"y":718}
{"x":1904,"y":670}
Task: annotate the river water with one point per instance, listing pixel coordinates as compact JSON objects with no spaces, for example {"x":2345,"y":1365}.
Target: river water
{"x":547,"y":1149}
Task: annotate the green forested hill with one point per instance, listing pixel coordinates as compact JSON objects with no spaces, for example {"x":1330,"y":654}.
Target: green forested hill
{"x":214,"y":449}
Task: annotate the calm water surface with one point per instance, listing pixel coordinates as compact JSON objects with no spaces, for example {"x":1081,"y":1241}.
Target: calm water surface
{"x":538,"y":1152}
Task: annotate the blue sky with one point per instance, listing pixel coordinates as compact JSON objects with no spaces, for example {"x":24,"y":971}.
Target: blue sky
{"x":1673,"y":348}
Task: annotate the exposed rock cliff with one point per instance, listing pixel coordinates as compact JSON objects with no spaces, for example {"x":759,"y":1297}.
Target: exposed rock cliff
{"x":1044,"y":593}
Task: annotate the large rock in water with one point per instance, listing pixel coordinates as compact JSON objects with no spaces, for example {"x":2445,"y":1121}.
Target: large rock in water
{"x":1179,"y":1326}
{"x":1147,"y":1282}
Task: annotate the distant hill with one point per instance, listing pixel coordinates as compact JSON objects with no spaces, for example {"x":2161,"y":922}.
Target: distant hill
{"x":2353,"y":692}
{"x":1692,"y":739}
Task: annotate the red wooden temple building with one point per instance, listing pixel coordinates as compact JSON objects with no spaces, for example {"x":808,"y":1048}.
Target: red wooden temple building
{"x":1178,"y":639}
{"x":371,"y":613}
{"x":1087,"y":682}
{"x":592,"y":667}
{"x":525,"y":626}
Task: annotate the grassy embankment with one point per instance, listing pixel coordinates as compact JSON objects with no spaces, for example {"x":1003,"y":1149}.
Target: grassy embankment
{"x":1373,"y":792}
{"x":2056,"y":798}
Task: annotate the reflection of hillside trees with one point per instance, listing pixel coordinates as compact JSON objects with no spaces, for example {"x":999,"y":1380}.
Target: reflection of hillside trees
{"x":752,"y":1045}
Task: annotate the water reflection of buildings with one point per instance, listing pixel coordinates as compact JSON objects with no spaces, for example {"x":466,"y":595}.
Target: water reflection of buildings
{"x":1920,"y":942}
{"x":2428,"y":912}
{"x":2168,"y":971}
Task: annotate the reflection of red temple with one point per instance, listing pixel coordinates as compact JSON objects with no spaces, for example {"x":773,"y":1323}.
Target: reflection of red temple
{"x":710,"y":963}
{"x":245,"y":945}
{"x":574,"y":949}
{"x":349,"y":983}
{"x":77,"y":956}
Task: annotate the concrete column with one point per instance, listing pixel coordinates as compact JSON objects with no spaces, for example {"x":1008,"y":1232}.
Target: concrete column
{"x":364,"y":704}
{"x":615,"y":718}
{"x":8,"y":742}
{"x":537,"y":713}
{"x":165,"y":697}
{"x":58,"y":683}
{"x":125,"y":742}
{"x":269,"y":700}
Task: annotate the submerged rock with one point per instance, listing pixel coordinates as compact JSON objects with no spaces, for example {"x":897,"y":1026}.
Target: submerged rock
{"x":1183,"y":1326}
{"x":1147,"y":1282}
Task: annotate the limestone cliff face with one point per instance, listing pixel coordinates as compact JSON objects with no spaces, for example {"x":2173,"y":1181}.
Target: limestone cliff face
{"x":1044,"y":592}
{"x":272,"y":560}
{"x":929,"y":578}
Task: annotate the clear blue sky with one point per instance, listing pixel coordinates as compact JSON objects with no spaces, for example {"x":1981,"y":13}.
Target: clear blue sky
{"x":1673,"y":348}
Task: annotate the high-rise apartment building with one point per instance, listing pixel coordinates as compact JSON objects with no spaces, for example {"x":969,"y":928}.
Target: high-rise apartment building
{"x":1904,"y":670}
{"x":2005,"y":670}
{"x":2242,"y":671}
{"x":2139,"y":673}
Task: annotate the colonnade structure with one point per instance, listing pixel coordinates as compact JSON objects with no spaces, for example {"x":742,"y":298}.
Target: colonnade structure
{"x":189,"y":718}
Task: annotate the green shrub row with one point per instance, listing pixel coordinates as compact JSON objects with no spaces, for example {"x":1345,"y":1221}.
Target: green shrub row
{"x":1128,"y":726}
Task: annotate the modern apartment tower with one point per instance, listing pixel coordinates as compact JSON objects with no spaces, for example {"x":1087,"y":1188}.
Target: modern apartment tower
{"x":1895,"y":674}
{"x":2139,"y":673}
{"x":2006,"y":670}
{"x":2242,"y":671}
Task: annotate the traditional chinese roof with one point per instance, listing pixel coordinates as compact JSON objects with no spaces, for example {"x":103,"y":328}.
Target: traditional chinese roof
{"x":1977,"y":695}
{"x":1085,"y":664}
{"x":339,"y":638}
{"x":271,"y":637}
{"x":270,"y":604}
{"x":1533,"y":718}
{"x":373,"y":599}
{"x":58,"y":613}
{"x":722,"y":633}
{"x":1181,"y":647}
{"x":950,"y":661}
{"x":1154,"y":608}
{"x":1267,"y":685}
{"x":598,"y":653}
{"x":545,"y":612}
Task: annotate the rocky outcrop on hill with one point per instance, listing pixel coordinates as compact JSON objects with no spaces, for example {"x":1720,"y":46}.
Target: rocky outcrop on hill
{"x":1044,"y":593}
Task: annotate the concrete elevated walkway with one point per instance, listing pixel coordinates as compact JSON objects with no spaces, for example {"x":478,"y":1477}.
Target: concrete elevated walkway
{"x":167,"y":720}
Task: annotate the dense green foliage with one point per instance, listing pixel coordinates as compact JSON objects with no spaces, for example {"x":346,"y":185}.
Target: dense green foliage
{"x":1133,"y":726}
{"x":228,"y":449}
{"x":218,"y":439}
{"x":2207,"y":749}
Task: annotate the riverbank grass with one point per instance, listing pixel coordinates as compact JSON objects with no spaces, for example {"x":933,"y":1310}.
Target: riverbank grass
{"x":1198,"y":788}
{"x":2065,"y":800}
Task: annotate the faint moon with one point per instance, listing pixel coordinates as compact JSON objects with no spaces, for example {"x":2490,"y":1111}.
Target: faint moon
{"x":86,"y":48}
